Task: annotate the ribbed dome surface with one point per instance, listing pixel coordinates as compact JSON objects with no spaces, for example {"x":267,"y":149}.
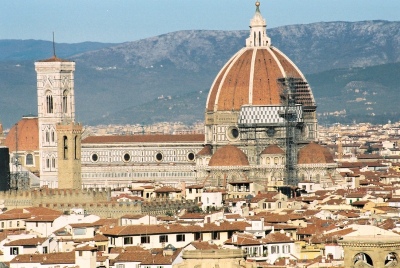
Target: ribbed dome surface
{"x":314,"y":153}
{"x":24,"y":134}
{"x":251,"y":78}
{"x":273,"y":149}
{"x":229,"y":155}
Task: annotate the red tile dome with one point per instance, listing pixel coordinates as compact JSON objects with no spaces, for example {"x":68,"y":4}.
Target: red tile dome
{"x":24,"y":134}
{"x":273,"y":149}
{"x":229,"y":155}
{"x":314,"y":153}
{"x":251,"y":76}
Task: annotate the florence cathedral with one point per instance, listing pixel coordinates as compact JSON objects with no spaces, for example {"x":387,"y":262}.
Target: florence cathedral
{"x":260,"y":130}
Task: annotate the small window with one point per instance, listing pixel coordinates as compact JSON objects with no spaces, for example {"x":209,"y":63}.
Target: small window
{"x":145,"y":239}
{"x":65,"y":102}
{"x":215,"y":235}
{"x":197,"y":236}
{"x":95,"y":157}
{"x":49,"y":104}
{"x":128,"y":240}
{"x":163,"y":238}
{"x":190,"y":156}
{"x":180,"y":238}
{"x":127,"y":157}
{"x":29,"y":160}
{"x":233,"y":133}
{"x":14,"y":251}
{"x":159,"y":157}
{"x":65,"y":147}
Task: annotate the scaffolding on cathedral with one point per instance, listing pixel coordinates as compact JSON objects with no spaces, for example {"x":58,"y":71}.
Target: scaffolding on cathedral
{"x":292,"y":91}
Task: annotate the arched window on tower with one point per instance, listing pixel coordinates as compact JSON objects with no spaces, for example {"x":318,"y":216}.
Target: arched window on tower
{"x":255,"y":44}
{"x":65,"y":147}
{"x":49,"y":103}
{"x":53,"y":162}
{"x":52,"y":136}
{"x":259,"y":38}
{"x":76,"y":147}
{"x":65,"y":102}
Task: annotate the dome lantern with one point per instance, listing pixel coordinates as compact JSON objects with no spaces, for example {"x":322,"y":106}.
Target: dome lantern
{"x":258,"y":30}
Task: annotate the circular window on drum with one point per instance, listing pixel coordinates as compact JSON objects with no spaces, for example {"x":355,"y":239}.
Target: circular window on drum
{"x":127,"y":157}
{"x":191,"y":156}
{"x":94,"y":157}
{"x":159,"y":157}
{"x":233,"y":133}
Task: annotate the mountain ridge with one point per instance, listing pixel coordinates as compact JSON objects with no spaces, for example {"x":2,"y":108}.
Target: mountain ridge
{"x":111,"y":78}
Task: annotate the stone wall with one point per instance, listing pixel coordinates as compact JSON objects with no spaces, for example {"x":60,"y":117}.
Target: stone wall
{"x":22,"y":199}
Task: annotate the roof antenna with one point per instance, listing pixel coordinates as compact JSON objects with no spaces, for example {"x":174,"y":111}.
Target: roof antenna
{"x":54,"y":48}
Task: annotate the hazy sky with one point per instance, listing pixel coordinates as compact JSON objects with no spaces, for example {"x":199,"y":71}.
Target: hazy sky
{"x":127,"y":20}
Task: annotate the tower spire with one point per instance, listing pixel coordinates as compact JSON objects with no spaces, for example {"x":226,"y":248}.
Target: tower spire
{"x":54,"y":47}
{"x":258,"y":30}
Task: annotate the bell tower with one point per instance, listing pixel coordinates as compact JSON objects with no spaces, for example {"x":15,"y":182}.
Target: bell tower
{"x":56,"y":103}
{"x":69,"y":136}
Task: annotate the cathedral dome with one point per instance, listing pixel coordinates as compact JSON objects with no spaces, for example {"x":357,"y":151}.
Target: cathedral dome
{"x":314,"y":153}
{"x":272,"y":149}
{"x":251,"y":76}
{"x":229,"y":155}
{"x":24,"y":134}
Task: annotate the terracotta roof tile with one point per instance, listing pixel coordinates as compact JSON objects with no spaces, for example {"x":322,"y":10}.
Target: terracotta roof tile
{"x":314,"y":153}
{"x":51,"y":258}
{"x":27,"y":135}
{"x":229,"y":155}
{"x":26,"y":242}
{"x":273,"y":149}
{"x":205,"y":151}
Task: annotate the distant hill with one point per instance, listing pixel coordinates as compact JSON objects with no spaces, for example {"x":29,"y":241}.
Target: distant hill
{"x":21,"y":50}
{"x":369,"y":94}
{"x":114,"y":81}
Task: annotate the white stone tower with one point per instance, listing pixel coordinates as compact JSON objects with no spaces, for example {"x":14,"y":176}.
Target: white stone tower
{"x":56,"y":104}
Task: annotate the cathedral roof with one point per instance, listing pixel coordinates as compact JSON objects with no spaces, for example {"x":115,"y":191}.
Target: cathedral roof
{"x":314,"y":153}
{"x":229,"y":155}
{"x":54,"y":59}
{"x":205,"y":151}
{"x":273,"y":149}
{"x":24,"y":135}
{"x":144,"y":138}
{"x":251,"y":76}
